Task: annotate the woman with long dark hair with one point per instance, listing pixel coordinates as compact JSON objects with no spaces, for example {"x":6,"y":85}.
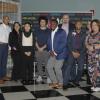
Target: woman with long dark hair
{"x":15,"y":51}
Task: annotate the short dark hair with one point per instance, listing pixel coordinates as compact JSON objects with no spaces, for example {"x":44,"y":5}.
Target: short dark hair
{"x":43,"y":18}
{"x":54,"y":20}
{"x":28,"y":23}
{"x":78,"y":21}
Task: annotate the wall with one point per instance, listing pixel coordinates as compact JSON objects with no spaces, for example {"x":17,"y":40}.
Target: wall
{"x":61,"y":5}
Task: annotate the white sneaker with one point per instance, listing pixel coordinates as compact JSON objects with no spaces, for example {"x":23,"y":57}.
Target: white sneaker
{"x":48,"y":80}
{"x":39,"y":79}
{"x":97,"y":89}
{"x":92,"y":88}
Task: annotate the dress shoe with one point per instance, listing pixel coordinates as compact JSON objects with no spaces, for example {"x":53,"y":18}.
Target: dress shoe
{"x":24,"y":81}
{"x":53,"y":85}
{"x":59,"y":86}
{"x":76,"y":83}
{"x":65,"y":87}
{"x":31,"y":82}
{"x":6,"y":78}
{"x":2,"y":82}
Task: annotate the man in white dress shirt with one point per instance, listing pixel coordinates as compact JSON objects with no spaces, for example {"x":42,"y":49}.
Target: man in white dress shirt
{"x":4,"y":35}
{"x":57,"y":48}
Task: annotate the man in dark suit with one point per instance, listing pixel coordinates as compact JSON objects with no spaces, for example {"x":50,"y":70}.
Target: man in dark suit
{"x":68,"y":27}
{"x":66,"y":24}
{"x":76,"y":47}
{"x":57,"y":49}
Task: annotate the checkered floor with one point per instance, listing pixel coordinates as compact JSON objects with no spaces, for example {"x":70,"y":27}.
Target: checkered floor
{"x":18,"y":91}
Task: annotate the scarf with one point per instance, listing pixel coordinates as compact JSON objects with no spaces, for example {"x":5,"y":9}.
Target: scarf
{"x":27,"y":34}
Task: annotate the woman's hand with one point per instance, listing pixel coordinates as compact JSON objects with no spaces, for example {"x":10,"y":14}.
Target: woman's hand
{"x":76,"y":54}
{"x":90,"y":48}
{"x":28,"y":53}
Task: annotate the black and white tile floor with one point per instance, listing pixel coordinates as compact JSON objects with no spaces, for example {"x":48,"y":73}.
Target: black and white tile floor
{"x":18,"y":91}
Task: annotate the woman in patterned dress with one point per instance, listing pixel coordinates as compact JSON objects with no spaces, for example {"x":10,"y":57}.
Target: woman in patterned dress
{"x":93,"y":50}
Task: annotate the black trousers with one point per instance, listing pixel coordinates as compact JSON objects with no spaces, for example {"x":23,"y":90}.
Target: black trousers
{"x":69,"y":69}
{"x":27,"y":67}
{"x":16,"y":71}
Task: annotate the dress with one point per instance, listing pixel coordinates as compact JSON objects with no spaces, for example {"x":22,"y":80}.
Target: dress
{"x":94,"y":59}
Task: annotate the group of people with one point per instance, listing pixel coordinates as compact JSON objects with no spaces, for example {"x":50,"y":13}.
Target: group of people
{"x":62,"y":49}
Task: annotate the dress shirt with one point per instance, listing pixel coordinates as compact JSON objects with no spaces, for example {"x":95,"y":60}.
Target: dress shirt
{"x":4,"y":33}
{"x":52,"y":37}
{"x":66,"y":28}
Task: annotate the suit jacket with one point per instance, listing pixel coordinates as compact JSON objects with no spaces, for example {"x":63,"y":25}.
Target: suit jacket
{"x":59,"y":44}
{"x":70,"y":40}
{"x":71,"y":26}
{"x":14,"y":41}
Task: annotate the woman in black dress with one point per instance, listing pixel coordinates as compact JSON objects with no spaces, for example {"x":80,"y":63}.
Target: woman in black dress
{"x":15,"y":51}
{"x":27,"y":45}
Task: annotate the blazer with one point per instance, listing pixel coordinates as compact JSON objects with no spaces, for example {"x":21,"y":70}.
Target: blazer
{"x":71,"y":26}
{"x":14,"y":40}
{"x":59,"y":44}
{"x":70,"y":40}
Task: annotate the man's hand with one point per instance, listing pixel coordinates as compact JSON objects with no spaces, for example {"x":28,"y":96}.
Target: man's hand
{"x":51,"y":53}
{"x":76,"y":54}
{"x":40,"y":49}
{"x":14,"y":48}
